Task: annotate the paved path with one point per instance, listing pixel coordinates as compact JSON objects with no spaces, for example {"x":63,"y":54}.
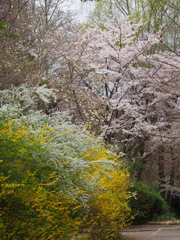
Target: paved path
{"x":150,"y":232}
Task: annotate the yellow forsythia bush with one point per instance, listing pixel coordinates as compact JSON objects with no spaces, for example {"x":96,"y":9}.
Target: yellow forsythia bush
{"x":109,"y":211}
{"x":28,"y":211}
{"x":56,"y":182}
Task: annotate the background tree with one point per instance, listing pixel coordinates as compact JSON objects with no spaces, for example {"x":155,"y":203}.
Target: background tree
{"x":30,"y":57}
{"x":15,"y":18}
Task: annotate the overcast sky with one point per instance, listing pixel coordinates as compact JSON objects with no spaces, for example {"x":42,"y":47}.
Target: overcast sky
{"x":82,"y":9}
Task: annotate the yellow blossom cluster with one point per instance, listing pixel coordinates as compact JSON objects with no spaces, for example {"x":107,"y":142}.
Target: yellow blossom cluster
{"x":109,"y":210}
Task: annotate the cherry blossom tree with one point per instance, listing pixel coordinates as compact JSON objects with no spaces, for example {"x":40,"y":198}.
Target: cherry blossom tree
{"x":140,"y":90}
{"x":154,"y":15}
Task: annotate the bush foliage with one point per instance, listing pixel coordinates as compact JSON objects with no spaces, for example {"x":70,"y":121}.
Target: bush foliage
{"x":146,"y":203}
{"x":56,"y":179}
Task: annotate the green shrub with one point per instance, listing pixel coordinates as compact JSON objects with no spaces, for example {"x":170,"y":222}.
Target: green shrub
{"x":165,"y":217}
{"x":146,"y":203}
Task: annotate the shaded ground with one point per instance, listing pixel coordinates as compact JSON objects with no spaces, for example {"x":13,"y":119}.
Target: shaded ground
{"x":156,"y":231}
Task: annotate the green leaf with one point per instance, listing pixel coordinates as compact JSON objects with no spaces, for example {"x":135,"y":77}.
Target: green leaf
{"x":117,"y":43}
{"x":3,"y":26}
{"x":11,"y":35}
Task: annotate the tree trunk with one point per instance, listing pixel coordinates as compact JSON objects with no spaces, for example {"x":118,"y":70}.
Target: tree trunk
{"x":161,"y":171}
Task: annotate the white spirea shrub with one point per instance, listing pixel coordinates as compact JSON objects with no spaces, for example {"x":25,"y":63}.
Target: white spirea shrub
{"x":67,"y":144}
